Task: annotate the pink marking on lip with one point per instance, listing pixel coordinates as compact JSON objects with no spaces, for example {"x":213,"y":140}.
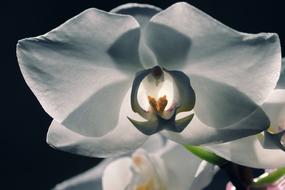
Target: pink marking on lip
{"x":172,"y":107}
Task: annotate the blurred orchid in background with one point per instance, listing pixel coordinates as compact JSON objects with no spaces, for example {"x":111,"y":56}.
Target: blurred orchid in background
{"x":167,"y":167}
{"x":111,"y":79}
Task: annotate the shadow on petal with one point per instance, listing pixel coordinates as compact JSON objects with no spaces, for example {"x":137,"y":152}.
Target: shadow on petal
{"x":99,"y":114}
{"x":170,"y":47}
{"x":124,"y":51}
{"x":197,"y":133}
{"x":219,"y":105}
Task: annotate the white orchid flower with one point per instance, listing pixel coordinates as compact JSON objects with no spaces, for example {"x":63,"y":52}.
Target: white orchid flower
{"x":166,"y":168}
{"x":112,"y":79}
{"x":266,"y":150}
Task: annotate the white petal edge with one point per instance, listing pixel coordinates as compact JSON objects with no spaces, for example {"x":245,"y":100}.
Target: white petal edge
{"x":249,"y":152}
{"x":274,"y":107}
{"x":219,"y":105}
{"x":117,"y":175}
{"x":115,"y":143}
{"x":124,"y":138}
{"x":78,"y":63}
{"x":91,"y":179}
{"x":197,"y":133}
{"x":142,"y":13}
{"x":204,"y":175}
{"x":181,"y":167}
{"x":281,"y":81}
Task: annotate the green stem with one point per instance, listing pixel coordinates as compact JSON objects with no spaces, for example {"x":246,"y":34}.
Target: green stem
{"x":207,"y":155}
{"x":269,"y":178}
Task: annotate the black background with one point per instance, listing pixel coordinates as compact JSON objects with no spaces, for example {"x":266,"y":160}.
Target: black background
{"x":26,"y":161}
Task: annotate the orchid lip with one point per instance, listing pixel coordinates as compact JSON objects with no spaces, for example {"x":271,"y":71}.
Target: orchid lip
{"x":157,"y":96}
{"x":273,"y":140}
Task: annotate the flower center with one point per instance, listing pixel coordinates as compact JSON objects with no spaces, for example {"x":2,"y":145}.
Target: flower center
{"x":157,"y":92}
{"x":158,"y":95}
{"x":157,"y":73}
{"x":158,"y":105}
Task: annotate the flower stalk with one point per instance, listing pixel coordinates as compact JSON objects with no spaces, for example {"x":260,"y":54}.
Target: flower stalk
{"x":206,"y":155}
{"x":269,"y":178}
{"x":240,"y":176}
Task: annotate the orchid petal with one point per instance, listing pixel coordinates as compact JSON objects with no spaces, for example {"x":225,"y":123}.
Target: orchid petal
{"x":135,"y":90}
{"x":141,"y":12}
{"x":215,"y":50}
{"x":266,"y":151}
{"x":219,"y":105}
{"x":147,"y":127}
{"x":186,"y":93}
{"x":153,"y":126}
{"x":250,"y":152}
{"x":274,"y":107}
{"x":211,"y":53}
{"x":117,"y":175}
{"x":79,"y":72}
{"x":122,"y":139}
{"x":91,"y":179}
{"x":197,"y":133}
{"x":181,"y":124}
{"x":154,"y":143}
{"x":281,"y":81}
{"x":182,"y":168}
{"x":114,"y":143}
{"x":166,"y":163}
{"x":204,"y":175}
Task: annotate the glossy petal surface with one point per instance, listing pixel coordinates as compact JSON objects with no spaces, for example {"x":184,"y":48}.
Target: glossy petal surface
{"x":91,"y":179}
